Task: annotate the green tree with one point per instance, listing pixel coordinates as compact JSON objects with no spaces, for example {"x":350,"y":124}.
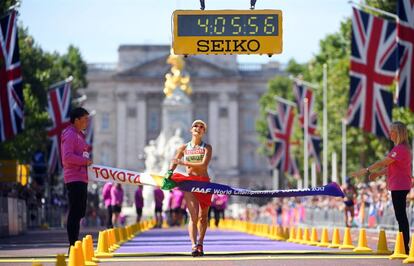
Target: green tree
{"x":334,"y":50}
{"x":40,"y":69}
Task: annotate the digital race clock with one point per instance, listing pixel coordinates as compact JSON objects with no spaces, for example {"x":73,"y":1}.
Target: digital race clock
{"x":227,"y":32}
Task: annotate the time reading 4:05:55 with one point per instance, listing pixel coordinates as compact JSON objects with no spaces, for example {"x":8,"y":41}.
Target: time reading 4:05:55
{"x":228,"y":25}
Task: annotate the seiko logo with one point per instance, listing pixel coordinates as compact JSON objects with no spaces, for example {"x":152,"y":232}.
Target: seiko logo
{"x":231,"y":46}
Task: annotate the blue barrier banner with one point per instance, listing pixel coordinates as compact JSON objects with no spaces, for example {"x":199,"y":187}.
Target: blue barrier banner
{"x":102,"y":173}
{"x":331,"y":189}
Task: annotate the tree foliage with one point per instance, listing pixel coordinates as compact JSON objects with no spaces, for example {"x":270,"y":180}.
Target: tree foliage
{"x":40,"y":69}
{"x":334,"y":51}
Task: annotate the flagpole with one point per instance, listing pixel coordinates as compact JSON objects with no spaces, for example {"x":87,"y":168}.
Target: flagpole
{"x":275,"y":179}
{"x":383,"y":12}
{"x":300,"y":81}
{"x":325,"y":127}
{"x":68,"y":79}
{"x":313,"y":174}
{"x":334,"y":168}
{"x":283,"y":100}
{"x":343,"y":170}
{"x":305,"y":143}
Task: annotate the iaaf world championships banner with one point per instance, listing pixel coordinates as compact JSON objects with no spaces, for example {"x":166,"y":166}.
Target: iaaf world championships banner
{"x":102,"y":173}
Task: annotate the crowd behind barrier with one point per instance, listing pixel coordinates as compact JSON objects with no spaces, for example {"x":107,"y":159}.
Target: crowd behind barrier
{"x":372,"y":209}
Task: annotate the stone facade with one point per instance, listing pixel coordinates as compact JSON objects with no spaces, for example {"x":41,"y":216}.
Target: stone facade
{"x":127,"y":98}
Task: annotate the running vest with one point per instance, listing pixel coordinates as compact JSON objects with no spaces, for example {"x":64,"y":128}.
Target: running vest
{"x":194,"y":154}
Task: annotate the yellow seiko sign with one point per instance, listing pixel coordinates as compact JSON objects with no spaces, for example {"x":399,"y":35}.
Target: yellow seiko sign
{"x":227,"y":32}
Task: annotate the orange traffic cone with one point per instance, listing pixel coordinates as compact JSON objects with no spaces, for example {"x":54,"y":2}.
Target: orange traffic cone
{"x":324,"y":238}
{"x":362,"y":243}
{"x":410,"y":258}
{"x":336,"y":239}
{"x":347,"y":244}
{"x":399,"y":249}
{"x":382,"y":247}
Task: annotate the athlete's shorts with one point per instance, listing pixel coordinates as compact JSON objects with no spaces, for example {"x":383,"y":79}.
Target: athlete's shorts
{"x":203,"y":198}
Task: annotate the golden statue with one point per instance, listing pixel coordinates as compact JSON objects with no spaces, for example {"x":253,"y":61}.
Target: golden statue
{"x":176,"y":79}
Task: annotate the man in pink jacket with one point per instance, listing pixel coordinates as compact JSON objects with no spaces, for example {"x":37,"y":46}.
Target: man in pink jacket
{"x":75,"y":159}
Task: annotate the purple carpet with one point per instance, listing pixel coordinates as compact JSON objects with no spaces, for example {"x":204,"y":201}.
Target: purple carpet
{"x":177,"y":240}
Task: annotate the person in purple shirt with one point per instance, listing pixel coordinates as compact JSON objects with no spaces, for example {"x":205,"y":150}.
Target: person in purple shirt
{"x":117,"y":197}
{"x":106,"y":194}
{"x":219,"y":205}
{"x":139,"y":202}
{"x":176,"y":206}
{"x":158,"y":198}
{"x":75,"y":159}
{"x":396,"y":166}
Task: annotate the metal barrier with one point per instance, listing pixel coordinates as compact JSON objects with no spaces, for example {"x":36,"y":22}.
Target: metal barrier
{"x":335,"y":217}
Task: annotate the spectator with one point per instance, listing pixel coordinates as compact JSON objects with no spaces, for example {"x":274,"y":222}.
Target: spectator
{"x":158,"y":198}
{"x":117,"y":197}
{"x":139,"y":202}
{"x":219,"y":205}
{"x":349,"y":201}
{"x":106,"y":194}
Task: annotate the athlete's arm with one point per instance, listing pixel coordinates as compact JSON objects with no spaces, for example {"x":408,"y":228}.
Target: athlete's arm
{"x":179,"y":154}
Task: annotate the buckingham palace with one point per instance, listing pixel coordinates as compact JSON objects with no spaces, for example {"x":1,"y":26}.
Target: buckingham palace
{"x":127,"y":98}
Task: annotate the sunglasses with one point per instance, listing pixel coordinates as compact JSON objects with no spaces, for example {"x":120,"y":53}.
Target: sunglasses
{"x":199,"y":126}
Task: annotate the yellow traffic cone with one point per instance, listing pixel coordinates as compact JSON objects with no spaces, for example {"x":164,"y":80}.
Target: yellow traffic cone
{"x":314,"y":237}
{"x":336,"y":239}
{"x":347,"y":243}
{"x":362,"y":243}
{"x":103,"y":250}
{"x":324,"y":238}
{"x":306,"y":236}
{"x":292,"y":234}
{"x":60,"y":260}
{"x":79,"y":251}
{"x":299,"y":235}
{"x":34,"y":263}
{"x":382,"y":247}
{"x":76,"y":256}
{"x":124,"y":234}
{"x":286,"y":233}
{"x":87,"y":247}
{"x":399,"y":249}
{"x":410,"y":258}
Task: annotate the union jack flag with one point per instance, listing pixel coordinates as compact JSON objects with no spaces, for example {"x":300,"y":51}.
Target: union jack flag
{"x":11,"y":89}
{"x":280,"y":126}
{"x":59,"y":98}
{"x":314,"y":141}
{"x":405,"y":33}
{"x":373,"y":67}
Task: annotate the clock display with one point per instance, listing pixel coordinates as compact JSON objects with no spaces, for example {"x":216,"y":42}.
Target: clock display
{"x":228,"y":25}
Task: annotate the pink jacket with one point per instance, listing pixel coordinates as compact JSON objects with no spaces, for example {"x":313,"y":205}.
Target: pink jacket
{"x":106,"y":194}
{"x":75,"y":153}
{"x":117,"y":195}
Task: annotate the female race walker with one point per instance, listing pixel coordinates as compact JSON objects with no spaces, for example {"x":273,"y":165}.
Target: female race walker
{"x":397,"y":167}
{"x":195,"y":156}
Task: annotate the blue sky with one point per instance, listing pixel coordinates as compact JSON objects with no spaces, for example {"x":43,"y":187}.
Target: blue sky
{"x":98,"y":27}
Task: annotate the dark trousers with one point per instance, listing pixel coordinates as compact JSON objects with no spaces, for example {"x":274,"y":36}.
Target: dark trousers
{"x":218,"y":214}
{"x":399,"y":201}
{"x":109,"y":218}
{"x":77,"y":196}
